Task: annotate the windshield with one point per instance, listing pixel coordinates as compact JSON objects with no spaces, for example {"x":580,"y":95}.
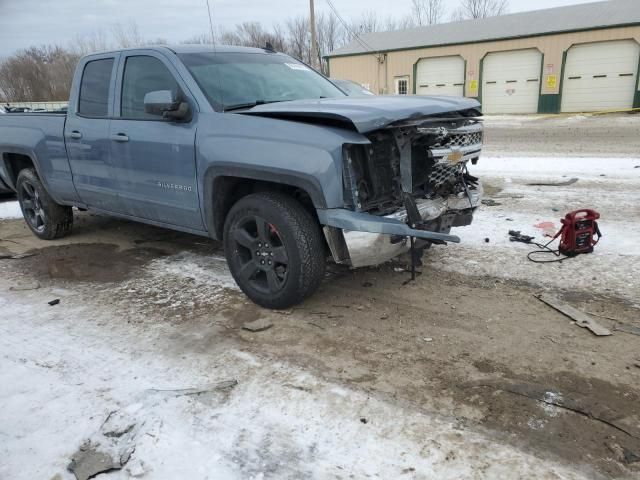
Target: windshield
{"x":242,"y":80}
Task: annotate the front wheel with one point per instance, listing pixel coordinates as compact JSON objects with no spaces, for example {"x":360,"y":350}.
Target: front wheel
{"x":274,"y":249}
{"x":45,"y":218}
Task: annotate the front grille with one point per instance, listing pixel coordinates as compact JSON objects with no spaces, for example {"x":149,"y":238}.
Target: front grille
{"x":463,"y":139}
{"x":466,"y":136}
{"x":442,"y":173}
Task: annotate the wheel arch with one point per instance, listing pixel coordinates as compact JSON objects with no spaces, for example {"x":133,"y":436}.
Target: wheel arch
{"x":14,"y":160}
{"x":223,"y":186}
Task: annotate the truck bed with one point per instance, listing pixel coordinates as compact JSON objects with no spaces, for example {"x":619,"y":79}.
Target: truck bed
{"x":43,"y":131}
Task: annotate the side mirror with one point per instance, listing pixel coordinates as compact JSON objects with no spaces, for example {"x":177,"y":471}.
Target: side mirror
{"x":167,"y":104}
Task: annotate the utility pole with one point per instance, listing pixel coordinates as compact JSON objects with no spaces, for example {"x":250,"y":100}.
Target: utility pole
{"x":213,"y":40}
{"x":314,"y":40}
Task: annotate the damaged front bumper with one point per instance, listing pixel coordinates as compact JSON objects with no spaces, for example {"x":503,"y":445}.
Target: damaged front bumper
{"x":360,"y":239}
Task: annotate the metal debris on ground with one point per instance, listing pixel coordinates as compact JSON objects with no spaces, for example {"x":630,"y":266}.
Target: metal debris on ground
{"x":581,"y":319}
{"x":553,"y":184}
{"x":54,"y":302}
{"x":490,"y":203}
{"x":259,"y":325}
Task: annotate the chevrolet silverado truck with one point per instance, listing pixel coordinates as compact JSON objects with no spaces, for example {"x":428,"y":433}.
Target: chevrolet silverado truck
{"x":252,"y":148}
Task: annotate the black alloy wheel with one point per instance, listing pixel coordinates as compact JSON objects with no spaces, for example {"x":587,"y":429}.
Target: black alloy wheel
{"x":31,"y":205}
{"x":274,"y":248}
{"x":264,"y":262}
{"x":45,"y":218}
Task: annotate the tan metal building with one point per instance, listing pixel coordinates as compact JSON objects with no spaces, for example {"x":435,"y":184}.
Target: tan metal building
{"x":579,"y":58}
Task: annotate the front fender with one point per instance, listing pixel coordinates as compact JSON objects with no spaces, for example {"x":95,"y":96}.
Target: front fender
{"x":305,"y":156}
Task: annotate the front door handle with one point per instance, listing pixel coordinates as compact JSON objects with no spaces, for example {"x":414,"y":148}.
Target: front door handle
{"x":120,"y":137}
{"x":76,"y":135}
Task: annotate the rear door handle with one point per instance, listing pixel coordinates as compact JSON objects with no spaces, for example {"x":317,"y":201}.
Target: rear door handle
{"x":120,"y":137}
{"x":76,"y":135}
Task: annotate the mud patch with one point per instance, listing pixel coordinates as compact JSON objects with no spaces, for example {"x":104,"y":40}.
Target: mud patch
{"x":95,"y":262}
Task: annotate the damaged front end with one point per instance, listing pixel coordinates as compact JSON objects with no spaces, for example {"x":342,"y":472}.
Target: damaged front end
{"x":410,"y":180}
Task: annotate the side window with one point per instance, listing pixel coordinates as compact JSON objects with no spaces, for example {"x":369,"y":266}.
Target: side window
{"x":94,"y":88}
{"x":143,"y":74}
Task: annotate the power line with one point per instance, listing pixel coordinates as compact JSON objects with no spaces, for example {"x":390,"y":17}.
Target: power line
{"x":354,"y":35}
{"x":346,"y":26}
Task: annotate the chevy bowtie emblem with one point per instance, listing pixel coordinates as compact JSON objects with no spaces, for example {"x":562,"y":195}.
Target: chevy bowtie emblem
{"x":455,"y":156}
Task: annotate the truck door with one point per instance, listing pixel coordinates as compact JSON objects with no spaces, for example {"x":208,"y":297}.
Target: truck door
{"x":154,"y":158}
{"x":87,"y":133}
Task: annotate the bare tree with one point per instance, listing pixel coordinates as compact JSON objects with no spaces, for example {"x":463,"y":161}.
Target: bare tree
{"x":427,"y":12}
{"x":200,"y":39}
{"x":368,"y":22}
{"x":330,"y":36}
{"x":299,"y":36}
{"x":37,"y":74}
{"x":94,"y":42}
{"x":127,"y":35}
{"x":470,"y":9}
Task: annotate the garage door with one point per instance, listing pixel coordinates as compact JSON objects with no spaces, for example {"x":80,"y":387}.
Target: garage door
{"x":600,"y":76}
{"x":440,"y":76}
{"x":511,"y":82}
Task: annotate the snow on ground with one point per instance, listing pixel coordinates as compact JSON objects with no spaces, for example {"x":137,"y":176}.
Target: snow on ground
{"x":10,"y":210}
{"x":66,"y":369}
{"x":611,"y":269}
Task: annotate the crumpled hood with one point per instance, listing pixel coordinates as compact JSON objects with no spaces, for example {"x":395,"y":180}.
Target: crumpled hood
{"x":364,"y":113}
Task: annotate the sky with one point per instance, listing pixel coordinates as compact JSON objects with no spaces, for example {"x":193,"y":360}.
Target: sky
{"x":35,"y":22}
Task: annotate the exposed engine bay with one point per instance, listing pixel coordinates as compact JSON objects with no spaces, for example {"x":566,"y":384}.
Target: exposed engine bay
{"x":415,"y":171}
{"x":424,"y":159}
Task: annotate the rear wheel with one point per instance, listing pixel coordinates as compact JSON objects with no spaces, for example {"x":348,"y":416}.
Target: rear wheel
{"x":45,"y":218}
{"x":274,"y":249}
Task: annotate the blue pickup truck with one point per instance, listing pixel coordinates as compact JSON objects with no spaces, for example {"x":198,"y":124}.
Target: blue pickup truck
{"x":253,"y":148}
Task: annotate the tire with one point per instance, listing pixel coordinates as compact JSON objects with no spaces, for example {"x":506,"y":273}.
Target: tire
{"x":46,"y":219}
{"x":274,"y":249}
